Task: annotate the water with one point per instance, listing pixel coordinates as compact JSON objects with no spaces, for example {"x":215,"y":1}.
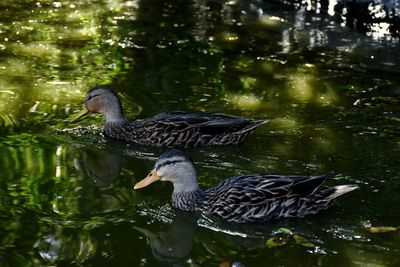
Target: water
{"x":330,"y":95}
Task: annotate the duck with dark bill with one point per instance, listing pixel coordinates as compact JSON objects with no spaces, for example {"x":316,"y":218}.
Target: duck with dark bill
{"x":170,"y":129}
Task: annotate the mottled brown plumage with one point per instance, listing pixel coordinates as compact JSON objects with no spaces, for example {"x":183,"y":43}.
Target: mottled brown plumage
{"x":243,"y":199}
{"x":172,"y":129}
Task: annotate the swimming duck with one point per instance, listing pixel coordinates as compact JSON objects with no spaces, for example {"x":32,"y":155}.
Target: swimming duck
{"x":243,"y":199}
{"x":172,"y":129}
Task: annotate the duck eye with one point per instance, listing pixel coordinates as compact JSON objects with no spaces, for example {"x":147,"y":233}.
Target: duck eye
{"x":90,"y":97}
{"x":168,"y":162}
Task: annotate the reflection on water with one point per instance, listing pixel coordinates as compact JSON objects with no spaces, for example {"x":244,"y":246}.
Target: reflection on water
{"x":172,"y":245}
{"x":330,"y":93}
{"x":379,"y":19}
{"x":100,"y":166}
{"x":175,"y":239}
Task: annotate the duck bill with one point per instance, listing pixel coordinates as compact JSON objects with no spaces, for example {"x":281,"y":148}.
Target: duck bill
{"x":151,"y":178}
{"x":81,"y":114}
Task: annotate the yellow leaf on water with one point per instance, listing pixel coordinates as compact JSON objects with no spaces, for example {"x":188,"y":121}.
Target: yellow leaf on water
{"x":303,"y":241}
{"x":285,"y":230}
{"x":381,"y":229}
{"x":275,"y":242}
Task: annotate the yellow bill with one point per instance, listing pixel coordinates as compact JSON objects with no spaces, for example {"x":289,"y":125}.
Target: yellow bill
{"x":151,"y":178}
{"x":79,"y":115}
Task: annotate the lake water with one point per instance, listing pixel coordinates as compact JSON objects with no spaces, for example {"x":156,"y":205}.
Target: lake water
{"x":330,"y":94}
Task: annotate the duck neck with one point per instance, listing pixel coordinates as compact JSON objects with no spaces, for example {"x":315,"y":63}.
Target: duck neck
{"x":187,"y":200}
{"x":188,"y":185}
{"x":114,"y":115}
{"x":186,"y":197}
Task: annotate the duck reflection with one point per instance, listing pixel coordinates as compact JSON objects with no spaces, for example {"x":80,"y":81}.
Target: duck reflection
{"x":173,"y":244}
{"x":101,"y":166}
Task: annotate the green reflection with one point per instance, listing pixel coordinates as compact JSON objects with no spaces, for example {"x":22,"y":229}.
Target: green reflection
{"x":53,"y":52}
{"x":330,"y":98}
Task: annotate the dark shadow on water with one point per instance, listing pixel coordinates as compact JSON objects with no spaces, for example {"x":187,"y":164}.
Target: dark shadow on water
{"x":172,"y":244}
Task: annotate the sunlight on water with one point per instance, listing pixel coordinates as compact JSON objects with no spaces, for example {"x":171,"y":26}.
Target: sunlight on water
{"x":245,"y":102}
{"x":324,"y":77}
{"x":380,"y":30}
{"x":302,"y":89}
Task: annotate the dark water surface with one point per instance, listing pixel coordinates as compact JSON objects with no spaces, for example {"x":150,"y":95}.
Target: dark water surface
{"x":330,"y":95}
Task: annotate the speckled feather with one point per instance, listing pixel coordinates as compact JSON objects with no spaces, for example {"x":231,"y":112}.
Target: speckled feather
{"x":184,"y":129}
{"x":265,"y":197}
{"x":247,"y":198}
{"x":172,"y":129}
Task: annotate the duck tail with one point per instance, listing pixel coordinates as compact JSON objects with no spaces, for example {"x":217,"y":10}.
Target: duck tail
{"x":323,"y":197}
{"x":341,"y":190}
{"x":253,"y":125}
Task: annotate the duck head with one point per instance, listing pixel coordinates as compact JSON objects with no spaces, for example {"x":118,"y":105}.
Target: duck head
{"x":173,"y":166}
{"x":101,"y":99}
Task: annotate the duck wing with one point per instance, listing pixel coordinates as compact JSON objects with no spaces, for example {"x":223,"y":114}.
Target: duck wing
{"x":259,"y":188}
{"x":193,"y":129}
{"x":261,"y":197}
{"x":206,"y":122}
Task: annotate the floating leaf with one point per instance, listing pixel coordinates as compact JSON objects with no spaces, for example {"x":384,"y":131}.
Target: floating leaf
{"x":381,"y":229}
{"x":276,"y":242}
{"x":303,"y":241}
{"x":285,"y":231}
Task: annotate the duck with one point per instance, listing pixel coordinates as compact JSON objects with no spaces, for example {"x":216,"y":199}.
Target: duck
{"x":176,"y":129}
{"x":253,"y":198}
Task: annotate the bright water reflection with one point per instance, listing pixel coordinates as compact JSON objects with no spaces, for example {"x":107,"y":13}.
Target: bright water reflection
{"x":331,"y":96}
